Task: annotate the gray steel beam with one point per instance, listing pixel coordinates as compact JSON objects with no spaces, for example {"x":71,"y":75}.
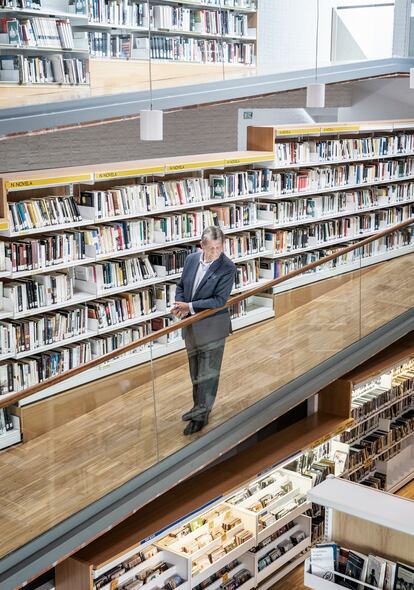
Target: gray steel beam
{"x":66,"y":537}
{"x":54,"y":114}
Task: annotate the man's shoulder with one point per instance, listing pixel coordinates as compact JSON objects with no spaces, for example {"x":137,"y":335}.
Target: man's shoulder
{"x":228,"y":265}
{"x":193,"y":256}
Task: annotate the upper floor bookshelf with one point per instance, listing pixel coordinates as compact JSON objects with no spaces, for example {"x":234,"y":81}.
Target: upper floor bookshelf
{"x":49,"y":42}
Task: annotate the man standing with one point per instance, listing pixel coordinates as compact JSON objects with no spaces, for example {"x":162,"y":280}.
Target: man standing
{"x":206,"y":283}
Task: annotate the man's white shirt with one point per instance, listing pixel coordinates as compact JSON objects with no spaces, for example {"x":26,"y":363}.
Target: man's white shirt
{"x":201,"y":271}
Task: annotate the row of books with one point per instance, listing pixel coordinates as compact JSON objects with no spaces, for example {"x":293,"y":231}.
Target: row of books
{"x":45,"y":252}
{"x":38,"y":292}
{"x":29,"y":334}
{"x":247,"y":273}
{"x":376,"y":394}
{"x":111,"y":45}
{"x":285,"y":241}
{"x":370,"y":424}
{"x":302,"y":209}
{"x":6,"y":423}
{"x":314,"y":179}
{"x":189,"y":49}
{"x":123,"y":12}
{"x":129,"y":46}
{"x":272,"y":269}
{"x":352,"y":569}
{"x":37,"y":32}
{"x":116,"y":273}
{"x":43,"y":212}
{"x":54,"y":69}
{"x":111,"y":311}
{"x":296,"y":152}
{"x":378,"y":441}
{"x":195,"y":20}
{"x":143,"y":198}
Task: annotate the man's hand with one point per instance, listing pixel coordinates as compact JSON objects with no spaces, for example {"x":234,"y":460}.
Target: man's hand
{"x":180,"y":309}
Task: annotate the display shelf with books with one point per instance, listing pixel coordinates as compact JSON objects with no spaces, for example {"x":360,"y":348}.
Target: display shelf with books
{"x":369,"y":539}
{"x":10,"y":433}
{"x":276,"y":551}
{"x":212,"y":541}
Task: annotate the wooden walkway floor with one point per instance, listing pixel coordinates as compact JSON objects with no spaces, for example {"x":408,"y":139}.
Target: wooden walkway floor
{"x":53,"y":476}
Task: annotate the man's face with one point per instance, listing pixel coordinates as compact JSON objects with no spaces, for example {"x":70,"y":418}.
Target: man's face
{"x":212,"y":250}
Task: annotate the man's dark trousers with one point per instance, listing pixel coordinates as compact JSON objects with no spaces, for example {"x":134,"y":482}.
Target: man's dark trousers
{"x":205,"y":365}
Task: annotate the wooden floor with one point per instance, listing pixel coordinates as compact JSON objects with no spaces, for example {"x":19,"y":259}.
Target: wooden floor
{"x":51,"y":477}
{"x":294,"y":581}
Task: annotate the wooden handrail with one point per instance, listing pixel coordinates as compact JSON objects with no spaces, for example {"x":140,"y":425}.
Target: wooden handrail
{"x":11,"y":398}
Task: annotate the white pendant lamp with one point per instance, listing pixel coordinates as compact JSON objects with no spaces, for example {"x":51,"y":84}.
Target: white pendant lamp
{"x":315,"y":96}
{"x":151,"y":121}
{"x":151,"y":125}
{"x":411,"y":77}
{"x":315,"y":93}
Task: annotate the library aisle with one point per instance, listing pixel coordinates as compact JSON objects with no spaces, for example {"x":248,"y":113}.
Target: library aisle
{"x":294,"y":581}
{"x":58,"y":473}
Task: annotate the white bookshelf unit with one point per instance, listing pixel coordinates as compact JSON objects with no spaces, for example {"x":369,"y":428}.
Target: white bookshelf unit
{"x":366,"y":521}
{"x":220,"y":541}
{"x":333,"y":185}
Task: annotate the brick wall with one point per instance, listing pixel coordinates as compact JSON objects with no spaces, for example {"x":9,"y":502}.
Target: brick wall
{"x":190,"y":131}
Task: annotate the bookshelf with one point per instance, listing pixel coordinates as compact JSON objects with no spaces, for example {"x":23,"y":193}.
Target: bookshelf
{"x":356,"y":176}
{"x":122,"y":227}
{"x":87,"y":31}
{"x":365,"y":521}
{"x":56,"y":240}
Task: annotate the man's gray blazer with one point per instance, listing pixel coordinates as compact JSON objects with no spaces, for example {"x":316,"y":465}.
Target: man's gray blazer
{"x":213,"y":291}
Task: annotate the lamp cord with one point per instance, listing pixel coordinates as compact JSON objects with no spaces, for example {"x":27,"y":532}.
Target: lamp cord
{"x":317,"y":40}
{"x":149,"y":52}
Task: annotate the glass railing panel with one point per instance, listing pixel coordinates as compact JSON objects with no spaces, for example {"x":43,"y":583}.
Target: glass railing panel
{"x":92,"y":445}
{"x":216,"y":377}
{"x":387,"y":289}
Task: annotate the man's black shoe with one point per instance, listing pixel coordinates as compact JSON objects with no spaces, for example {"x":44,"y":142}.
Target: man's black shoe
{"x":195,"y":426}
{"x":195,"y":414}
{"x":188,"y":415}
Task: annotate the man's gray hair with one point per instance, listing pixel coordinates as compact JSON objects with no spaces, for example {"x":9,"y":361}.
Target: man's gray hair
{"x":212,"y":233}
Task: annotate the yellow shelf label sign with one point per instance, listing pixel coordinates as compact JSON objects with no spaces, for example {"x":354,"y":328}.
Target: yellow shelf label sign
{"x":108,"y":174}
{"x":249,"y":159}
{"x":193,"y":165}
{"x":298,"y":131}
{"x":4,"y":225}
{"x":39,"y":182}
{"x":340,"y":128}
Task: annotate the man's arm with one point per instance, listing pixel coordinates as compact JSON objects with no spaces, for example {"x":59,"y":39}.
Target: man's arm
{"x":179,"y":292}
{"x":221,"y":295}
